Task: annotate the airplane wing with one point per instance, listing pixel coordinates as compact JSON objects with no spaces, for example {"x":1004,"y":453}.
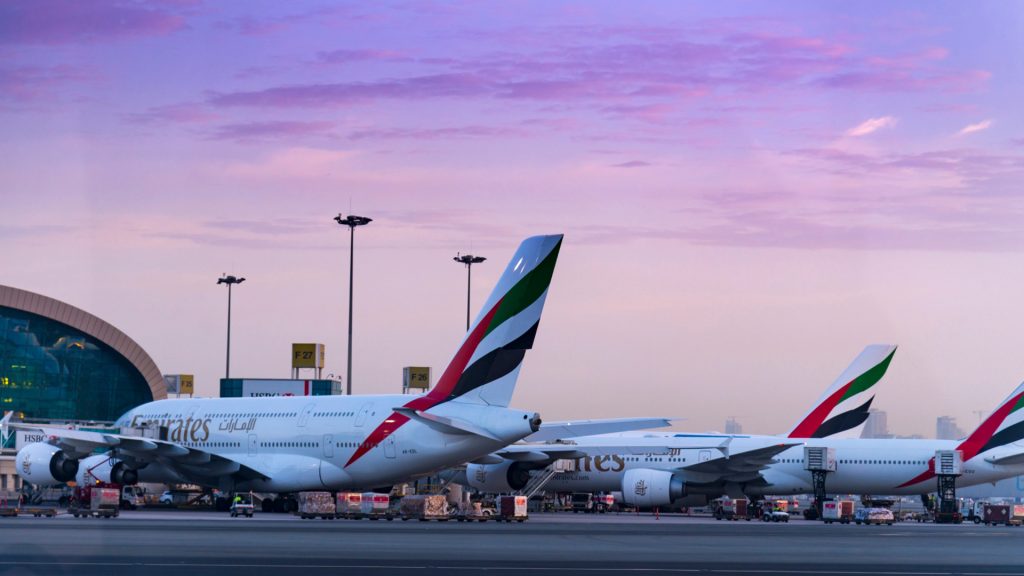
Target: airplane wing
{"x":738,"y":467}
{"x":188,"y":461}
{"x":549,"y":452}
{"x":576,"y":428}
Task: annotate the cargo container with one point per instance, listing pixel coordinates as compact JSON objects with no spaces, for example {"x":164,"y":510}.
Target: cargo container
{"x":1017,"y":514}
{"x":349,"y":505}
{"x":993,"y":514}
{"x":424,"y":507}
{"x":512,"y":508}
{"x":731,"y":509}
{"x":95,"y":501}
{"x":317,"y":505}
{"x":375,"y":506}
{"x":841,"y":511}
{"x":603,"y":503}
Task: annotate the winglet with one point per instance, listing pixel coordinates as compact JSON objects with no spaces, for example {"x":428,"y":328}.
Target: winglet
{"x":844,"y":405}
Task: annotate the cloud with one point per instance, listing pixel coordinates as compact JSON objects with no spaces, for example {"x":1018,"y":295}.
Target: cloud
{"x":51,"y":22}
{"x":185,"y":113}
{"x":271,"y":130}
{"x":871,"y":125}
{"x":971,"y":128}
{"x":24,"y":84}
{"x":348,"y":56}
{"x":434,"y":133}
{"x":632,"y":164}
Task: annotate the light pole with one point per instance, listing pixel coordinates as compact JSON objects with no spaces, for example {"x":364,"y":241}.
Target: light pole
{"x":468,"y":260}
{"x":229,"y":280}
{"x":351,"y":221}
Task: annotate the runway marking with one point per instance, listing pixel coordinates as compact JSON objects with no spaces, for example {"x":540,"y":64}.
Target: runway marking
{"x":508,"y":568}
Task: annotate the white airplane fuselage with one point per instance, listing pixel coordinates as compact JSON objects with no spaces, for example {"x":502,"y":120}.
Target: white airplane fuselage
{"x":865,"y":466}
{"x":306,"y":443}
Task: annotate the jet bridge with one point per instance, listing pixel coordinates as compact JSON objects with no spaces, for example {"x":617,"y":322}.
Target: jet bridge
{"x":819,"y":461}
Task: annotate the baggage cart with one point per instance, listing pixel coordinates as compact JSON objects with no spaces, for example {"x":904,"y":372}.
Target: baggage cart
{"x":512,"y":508}
{"x":375,"y":506}
{"x":317,"y":505}
{"x":995,"y":514}
{"x":349,"y":505}
{"x":424,"y":507}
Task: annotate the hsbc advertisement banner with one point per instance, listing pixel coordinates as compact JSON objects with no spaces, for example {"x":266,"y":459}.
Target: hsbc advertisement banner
{"x":265,"y":388}
{"x":26,"y":437}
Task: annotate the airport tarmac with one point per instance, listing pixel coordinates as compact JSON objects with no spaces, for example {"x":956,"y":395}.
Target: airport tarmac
{"x":157,"y":543}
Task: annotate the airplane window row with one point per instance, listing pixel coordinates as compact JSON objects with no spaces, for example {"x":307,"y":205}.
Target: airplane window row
{"x":334,"y":414}
{"x":856,"y":461}
{"x":289,"y":444}
{"x":211,"y":444}
{"x":254,"y":414}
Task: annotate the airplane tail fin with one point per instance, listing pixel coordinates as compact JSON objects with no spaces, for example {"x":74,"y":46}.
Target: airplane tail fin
{"x":843,"y":408}
{"x":485,"y":368}
{"x":1003,"y":426}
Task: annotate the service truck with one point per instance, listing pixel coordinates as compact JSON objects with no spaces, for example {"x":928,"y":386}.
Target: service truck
{"x":841,"y":511}
{"x":95,"y":501}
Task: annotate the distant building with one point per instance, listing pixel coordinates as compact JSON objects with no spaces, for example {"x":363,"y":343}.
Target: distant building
{"x":946,"y":428}
{"x":732,"y":426}
{"x":877,"y":425}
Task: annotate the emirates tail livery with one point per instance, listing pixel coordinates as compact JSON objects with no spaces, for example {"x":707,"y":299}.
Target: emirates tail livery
{"x":659,"y":468}
{"x":287,"y":444}
{"x":992,"y":452}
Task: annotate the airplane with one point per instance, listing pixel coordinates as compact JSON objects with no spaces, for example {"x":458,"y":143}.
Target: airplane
{"x":670,"y":466}
{"x":291,"y":444}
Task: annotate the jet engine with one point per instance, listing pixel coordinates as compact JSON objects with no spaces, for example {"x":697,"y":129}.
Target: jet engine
{"x":103,"y":468}
{"x":507,"y":476}
{"x":648,"y":488}
{"x":44,"y":464}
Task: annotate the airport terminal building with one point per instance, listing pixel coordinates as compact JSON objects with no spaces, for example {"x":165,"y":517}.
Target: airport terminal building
{"x":60,"y":363}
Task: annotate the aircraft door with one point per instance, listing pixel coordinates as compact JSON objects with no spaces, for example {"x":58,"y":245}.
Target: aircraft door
{"x":304,"y":415}
{"x":389,"y":446}
{"x":328,"y":446}
{"x":704,"y":456}
{"x":361,"y":417}
{"x":253,"y":444}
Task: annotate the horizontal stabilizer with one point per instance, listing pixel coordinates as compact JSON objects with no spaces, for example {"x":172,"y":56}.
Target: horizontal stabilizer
{"x":1011,"y":460}
{"x":576,"y":428}
{"x":445,"y":424}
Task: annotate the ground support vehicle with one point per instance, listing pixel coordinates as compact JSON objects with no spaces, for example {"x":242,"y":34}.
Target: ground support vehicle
{"x":841,"y":511}
{"x":375,"y":506}
{"x":993,"y":514}
{"x":317,"y":505}
{"x":95,"y":501}
{"x":424,"y":507}
{"x":475,"y":512}
{"x":512,"y":508}
{"x":132,"y":497}
{"x":241,"y":505}
{"x":603,"y":503}
{"x":582,"y":502}
{"x":10,"y":502}
{"x":775,"y":516}
{"x":349,"y":505}
{"x":874,"y":516}
{"x":732,"y":509}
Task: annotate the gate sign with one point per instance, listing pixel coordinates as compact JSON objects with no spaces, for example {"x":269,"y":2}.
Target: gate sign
{"x":179,"y":383}
{"x":416,"y":377}
{"x":308,"y":356}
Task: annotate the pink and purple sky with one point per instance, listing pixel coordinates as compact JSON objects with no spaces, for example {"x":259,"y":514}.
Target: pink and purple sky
{"x":750,"y":192}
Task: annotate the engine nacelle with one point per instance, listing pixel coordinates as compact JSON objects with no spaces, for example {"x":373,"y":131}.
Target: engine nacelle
{"x":103,"y":468}
{"x":44,"y":464}
{"x":648,"y":488}
{"x":496,"y":478}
